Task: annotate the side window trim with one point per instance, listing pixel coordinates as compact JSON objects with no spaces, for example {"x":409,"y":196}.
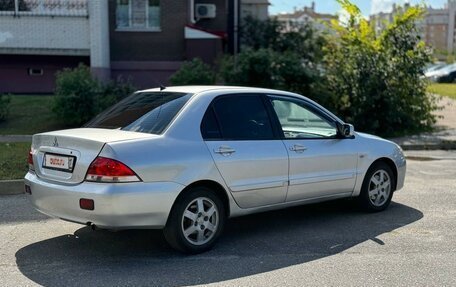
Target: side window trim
{"x":211,"y":109}
{"x":304,"y":103}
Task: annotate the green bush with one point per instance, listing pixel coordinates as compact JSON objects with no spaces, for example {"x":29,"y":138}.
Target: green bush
{"x":194,"y":72}
{"x":113,"y":92}
{"x":5,"y":101}
{"x":76,"y":96}
{"x":376,"y":79}
{"x":79,"y":96}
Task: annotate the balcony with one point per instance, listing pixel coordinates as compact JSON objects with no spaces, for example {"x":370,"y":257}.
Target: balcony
{"x":44,"y":27}
{"x":44,"y":7}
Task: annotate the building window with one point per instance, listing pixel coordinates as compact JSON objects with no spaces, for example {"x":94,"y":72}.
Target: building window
{"x":35,"y":72}
{"x":138,"y":15}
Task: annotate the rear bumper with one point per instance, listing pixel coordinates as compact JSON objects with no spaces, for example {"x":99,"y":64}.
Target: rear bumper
{"x":117,"y":206}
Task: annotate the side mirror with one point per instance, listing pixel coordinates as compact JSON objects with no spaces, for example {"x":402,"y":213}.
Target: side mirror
{"x":346,"y":130}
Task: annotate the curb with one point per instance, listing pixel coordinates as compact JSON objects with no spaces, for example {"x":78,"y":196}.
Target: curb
{"x":10,"y":187}
{"x":444,"y":145}
{"x":15,"y":138}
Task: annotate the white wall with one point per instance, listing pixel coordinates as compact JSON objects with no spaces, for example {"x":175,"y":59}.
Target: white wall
{"x":62,"y":35}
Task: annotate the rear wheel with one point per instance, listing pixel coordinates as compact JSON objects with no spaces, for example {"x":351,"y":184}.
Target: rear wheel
{"x":196,"y":221}
{"x":377,"y":189}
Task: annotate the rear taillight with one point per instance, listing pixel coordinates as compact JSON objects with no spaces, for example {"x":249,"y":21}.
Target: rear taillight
{"x":104,"y":169}
{"x":30,"y":161}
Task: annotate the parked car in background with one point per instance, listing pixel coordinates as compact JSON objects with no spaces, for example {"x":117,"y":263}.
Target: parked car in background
{"x":184,"y":159}
{"x":445,"y":74}
{"x":434,"y":67}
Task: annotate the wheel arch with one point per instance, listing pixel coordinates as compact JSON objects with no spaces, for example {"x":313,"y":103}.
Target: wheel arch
{"x":216,"y":187}
{"x":391,"y":165}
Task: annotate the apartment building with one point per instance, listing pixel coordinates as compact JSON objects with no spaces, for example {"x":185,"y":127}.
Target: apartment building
{"x":306,"y":15}
{"x":437,"y":28}
{"x":145,"y":41}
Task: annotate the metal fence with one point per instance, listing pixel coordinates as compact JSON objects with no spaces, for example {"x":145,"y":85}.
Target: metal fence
{"x":44,"y":7}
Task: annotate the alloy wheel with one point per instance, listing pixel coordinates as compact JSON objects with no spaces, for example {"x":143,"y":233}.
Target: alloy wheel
{"x":200,"y":221}
{"x":379,"y":188}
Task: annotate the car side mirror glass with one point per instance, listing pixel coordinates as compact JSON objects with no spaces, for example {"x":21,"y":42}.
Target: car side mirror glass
{"x":348,"y":130}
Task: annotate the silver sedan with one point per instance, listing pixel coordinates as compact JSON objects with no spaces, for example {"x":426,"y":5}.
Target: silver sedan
{"x":184,"y":159}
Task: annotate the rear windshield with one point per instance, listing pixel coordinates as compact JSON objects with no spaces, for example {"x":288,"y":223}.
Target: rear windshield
{"x":142,"y":112}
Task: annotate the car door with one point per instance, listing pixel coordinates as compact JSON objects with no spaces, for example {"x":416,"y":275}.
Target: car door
{"x":322,"y":164}
{"x":247,"y":151}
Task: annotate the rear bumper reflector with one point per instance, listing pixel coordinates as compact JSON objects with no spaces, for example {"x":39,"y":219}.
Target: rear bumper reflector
{"x":87,"y":204}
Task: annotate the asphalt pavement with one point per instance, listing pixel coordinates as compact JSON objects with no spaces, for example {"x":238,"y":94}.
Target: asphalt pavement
{"x":413,"y":243}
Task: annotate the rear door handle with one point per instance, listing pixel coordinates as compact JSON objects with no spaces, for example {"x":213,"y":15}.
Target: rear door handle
{"x":298,"y":148}
{"x":225,"y":150}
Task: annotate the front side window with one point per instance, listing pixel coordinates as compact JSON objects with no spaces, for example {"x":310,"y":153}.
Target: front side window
{"x":142,"y":112}
{"x":242,"y":117}
{"x":138,"y":14}
{"x":299,"y":121}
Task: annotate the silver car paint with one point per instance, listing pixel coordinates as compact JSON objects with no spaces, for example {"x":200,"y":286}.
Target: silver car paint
{"x":326,"y":167}
{"x":169,"y":162}
{"x":256,"y":172}
{"x":85,"y":144}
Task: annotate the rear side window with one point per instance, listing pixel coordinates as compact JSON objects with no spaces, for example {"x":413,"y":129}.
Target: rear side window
{"x":243,"y":117}
{"x":142,"y":112}
{"x":209,"y":126}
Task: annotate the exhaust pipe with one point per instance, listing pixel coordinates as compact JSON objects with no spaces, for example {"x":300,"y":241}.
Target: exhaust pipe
{"x":91,"y":225}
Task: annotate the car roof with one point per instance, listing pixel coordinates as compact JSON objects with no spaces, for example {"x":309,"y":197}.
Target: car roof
{"x":201,"y":89}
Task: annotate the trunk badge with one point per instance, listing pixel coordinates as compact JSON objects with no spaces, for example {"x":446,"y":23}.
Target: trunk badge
{"x":56,"y":143}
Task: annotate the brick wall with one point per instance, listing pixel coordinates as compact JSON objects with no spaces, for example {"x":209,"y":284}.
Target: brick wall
{"x":220,"y":22}
{"x":166,"y":45}
{"x":15,"y":78}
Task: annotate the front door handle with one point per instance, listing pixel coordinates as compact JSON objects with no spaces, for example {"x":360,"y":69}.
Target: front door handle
{"x":298,"y":148}
{"x":225,"y":150}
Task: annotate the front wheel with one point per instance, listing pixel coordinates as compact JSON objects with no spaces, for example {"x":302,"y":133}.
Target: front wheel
{"x":196,"y":221}
{"x":377,"y":189}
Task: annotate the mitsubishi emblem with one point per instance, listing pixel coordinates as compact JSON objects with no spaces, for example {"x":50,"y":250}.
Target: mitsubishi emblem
{"x":56,"y":143}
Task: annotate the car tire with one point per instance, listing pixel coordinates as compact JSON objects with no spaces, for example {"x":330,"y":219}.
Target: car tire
{"x":196,"y":221}
{"x":378,"y":187}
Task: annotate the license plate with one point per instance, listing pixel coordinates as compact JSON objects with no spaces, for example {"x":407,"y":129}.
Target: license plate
{"x":59,"y":162}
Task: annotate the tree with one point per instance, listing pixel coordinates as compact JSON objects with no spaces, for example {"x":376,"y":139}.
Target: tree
{"x":266,"y":68}
{"x":273,"y":56}
{"x":301,"y":39}
{"x":376,"y":80}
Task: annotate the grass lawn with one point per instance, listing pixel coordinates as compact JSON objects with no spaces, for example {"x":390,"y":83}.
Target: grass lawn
{"x":13,"y":160}
{"x":447,"y":90}
{"x":29,"y":115}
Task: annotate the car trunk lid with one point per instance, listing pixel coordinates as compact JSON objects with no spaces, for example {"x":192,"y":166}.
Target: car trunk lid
{"x":64,"y":156}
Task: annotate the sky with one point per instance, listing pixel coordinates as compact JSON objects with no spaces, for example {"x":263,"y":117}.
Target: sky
{"x":331,"y":6}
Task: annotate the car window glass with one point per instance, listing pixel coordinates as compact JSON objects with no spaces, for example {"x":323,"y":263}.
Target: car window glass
{"x":142,"y":112}
{"x":299,"y":121}
{"x":209,"y":126}
{"x":243,"y":117}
